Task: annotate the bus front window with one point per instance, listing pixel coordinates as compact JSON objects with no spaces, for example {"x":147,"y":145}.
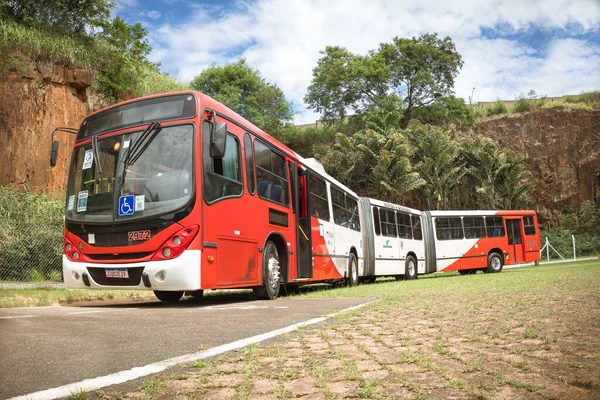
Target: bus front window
{"x":161,"y":180}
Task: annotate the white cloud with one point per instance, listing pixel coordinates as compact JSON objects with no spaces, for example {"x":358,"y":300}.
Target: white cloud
{"x":153,"y":14}
{"x":282,"y":38}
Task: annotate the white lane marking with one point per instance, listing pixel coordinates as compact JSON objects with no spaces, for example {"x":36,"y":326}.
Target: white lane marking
{"x":86,"y":312}
{"x":19,"y":316}
{"x":250,"y":307}
{"x":138,"y":372}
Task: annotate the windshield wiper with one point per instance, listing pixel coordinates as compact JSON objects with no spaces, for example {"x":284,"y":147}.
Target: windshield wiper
{"x":96,"y":155}
{"x":141,"y":144}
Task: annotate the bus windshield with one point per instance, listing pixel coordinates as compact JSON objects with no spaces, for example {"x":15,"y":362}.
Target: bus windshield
{"x":104,"y":189}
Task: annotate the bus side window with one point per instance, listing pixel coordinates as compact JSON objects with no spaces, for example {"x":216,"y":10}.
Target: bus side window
{"x":249,"y":162}
{"x":495,"y":226}
{"x":404,"y":227}
{"x":222,"y":176}
{"x":338,"y":200}
{"x":271,"y":174}
{"x":376,"y":221}
{"x":416,"y":224}
{"x":529,"y":225}
{"x":318,"y":198}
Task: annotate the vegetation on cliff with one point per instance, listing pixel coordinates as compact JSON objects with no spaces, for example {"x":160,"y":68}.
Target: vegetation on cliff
{"x":81,"y":35}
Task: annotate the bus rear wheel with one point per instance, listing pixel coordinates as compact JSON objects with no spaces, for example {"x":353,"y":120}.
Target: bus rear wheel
{"x":410,"y":268}
{"x":164,"y":295}
{"x":271,"y":274}
{"x":494,"y":263}
{"x":352,"y":279}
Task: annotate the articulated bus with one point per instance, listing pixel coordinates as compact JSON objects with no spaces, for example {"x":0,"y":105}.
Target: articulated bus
{"x":471,"y":241}
{"x":178,"y":194}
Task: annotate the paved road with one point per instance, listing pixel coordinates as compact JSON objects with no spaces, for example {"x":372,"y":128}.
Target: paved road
{"x":42,"y":348}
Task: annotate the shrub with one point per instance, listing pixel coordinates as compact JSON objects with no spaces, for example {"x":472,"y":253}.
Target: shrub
{"x":31,"y":232}
{"x":591,"y":98}
{"x":497,"y":108}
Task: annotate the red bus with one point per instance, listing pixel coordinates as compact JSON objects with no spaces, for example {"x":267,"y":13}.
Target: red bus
{"x":178,"y":194}
{"x":471,"y":241}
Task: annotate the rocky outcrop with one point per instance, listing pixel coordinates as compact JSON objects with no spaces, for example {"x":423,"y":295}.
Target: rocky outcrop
{"x":34,"y":100}
{"x":562,"y":146}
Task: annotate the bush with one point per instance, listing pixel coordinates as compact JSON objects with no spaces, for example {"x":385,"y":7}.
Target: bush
{"x":31,"y":232}
{"x":587,"y":244}
{"x":497,"y":108}
{"x":591,"y":98}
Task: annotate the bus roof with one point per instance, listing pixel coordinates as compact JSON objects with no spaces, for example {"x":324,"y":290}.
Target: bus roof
{"x":393,"y":206}
{"x":459,"y":213}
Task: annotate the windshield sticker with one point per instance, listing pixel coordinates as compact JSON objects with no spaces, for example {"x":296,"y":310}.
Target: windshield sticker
{"x":71,"y":202}
{"x":126,"y":204}
{"x":139,"y":202}
{"x":88,"y":159}
{"x":82,"y":198}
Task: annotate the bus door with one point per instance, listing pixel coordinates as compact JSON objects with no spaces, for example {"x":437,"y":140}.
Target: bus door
{"x":515,"y":239}
{"x":301,"y":203}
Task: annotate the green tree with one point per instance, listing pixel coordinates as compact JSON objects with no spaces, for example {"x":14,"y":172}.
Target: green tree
{"x":435,"y":157}
{"x":242,"y":89}
{"x":495,"y":178}
{"x":124,"y":62}
{"x":373,"y":161}
{"x":407,"y":73}
{"x":76,"y":16}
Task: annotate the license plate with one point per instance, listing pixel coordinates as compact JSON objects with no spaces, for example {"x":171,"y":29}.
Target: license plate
{"x":116,"y":273}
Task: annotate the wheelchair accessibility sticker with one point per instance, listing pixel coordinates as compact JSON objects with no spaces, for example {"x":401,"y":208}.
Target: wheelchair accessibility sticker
{"x":126,"y":205}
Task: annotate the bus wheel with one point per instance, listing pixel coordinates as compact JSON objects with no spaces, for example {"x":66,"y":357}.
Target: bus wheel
{"x":164,"y":295}
{"x":269,"y":290}
{"x":352,"y":271}
{"x":411,"y":268}
{"x":463,"y":271}
{"x":197,"y":294}
{"x":494,"y":263}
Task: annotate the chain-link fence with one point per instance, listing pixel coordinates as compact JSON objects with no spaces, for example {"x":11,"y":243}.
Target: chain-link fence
{"x":31,"y":238}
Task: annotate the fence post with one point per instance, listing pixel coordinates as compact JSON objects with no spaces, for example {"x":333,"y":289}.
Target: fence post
{"x":547,"y":250}
{"x":574,"y":248}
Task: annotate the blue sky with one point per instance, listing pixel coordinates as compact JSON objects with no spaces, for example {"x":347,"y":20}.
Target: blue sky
{"x":508,"y":46}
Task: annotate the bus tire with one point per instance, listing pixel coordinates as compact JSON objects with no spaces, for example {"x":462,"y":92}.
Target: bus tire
{"x":271,"y":273}
{"x":410,"y":272}
{"x":164,"y":295}
{"x":495,"y":263}
{"x":352,"y":279}
{"x":197,"y":294}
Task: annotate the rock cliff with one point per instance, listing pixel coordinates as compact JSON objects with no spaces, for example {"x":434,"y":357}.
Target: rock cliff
{"x":33,"y":101}
{"x":562,"y":146}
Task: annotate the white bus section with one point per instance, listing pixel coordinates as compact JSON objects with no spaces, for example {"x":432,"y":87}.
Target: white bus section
{"x":386,"y":253}
{"x":338,"y":238}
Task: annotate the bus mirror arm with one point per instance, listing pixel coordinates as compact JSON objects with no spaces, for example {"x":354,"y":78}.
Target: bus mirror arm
{"x":218,"y":136}
{"x":55,"y":143}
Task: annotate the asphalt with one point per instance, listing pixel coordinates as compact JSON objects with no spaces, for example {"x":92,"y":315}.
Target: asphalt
{"x":43,"y":348}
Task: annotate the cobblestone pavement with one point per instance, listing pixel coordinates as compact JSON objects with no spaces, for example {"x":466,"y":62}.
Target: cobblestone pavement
{"x":397,"y":349}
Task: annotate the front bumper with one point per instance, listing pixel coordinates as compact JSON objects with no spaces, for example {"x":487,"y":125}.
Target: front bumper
{"x":181,"y":273}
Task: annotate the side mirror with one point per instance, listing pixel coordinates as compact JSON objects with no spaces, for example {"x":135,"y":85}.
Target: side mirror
{"x":218,"y":136}
{"x":54,"y":153}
